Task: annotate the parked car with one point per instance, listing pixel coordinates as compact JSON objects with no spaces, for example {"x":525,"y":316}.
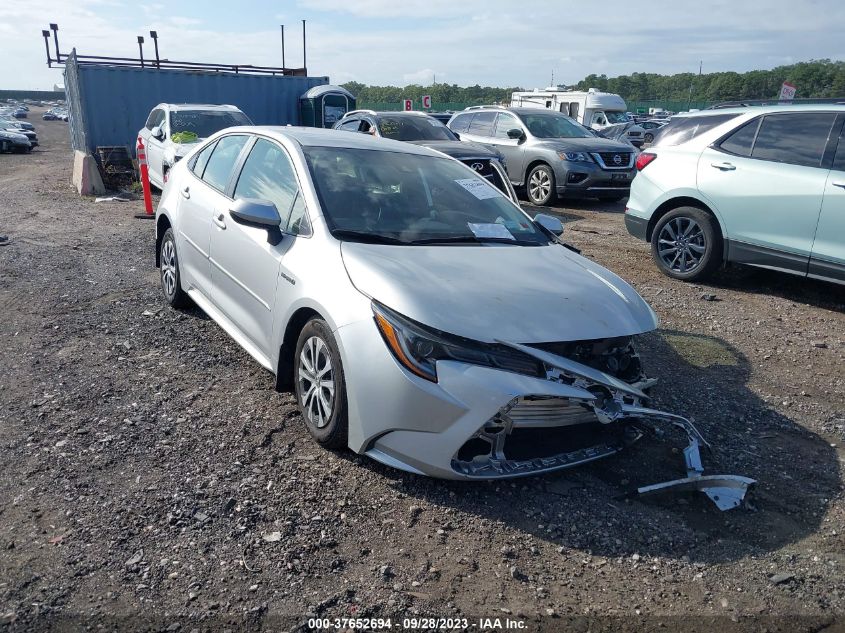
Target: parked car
{"x":418,"y":314}
{"x":19,"y":113}
{"x":14,"y":142}
{"x":763,"y":186}
{"x":651,"y":128}
{"x":421,"y":129}
{"x":50,"y":116}
{"x":15,"y":127}
{"x":172,"y":130}
{"x":549,"y":153}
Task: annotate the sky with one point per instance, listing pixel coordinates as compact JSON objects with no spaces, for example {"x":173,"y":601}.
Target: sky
{"x":466,"y":42}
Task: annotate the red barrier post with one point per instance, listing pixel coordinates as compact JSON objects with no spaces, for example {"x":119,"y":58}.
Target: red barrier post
{"x":145,"y":181}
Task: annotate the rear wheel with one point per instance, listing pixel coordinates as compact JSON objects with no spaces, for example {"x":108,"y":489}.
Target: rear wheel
{"x":320,"y":385}
{"x":686,"y":244}
{"x":540,"y":185}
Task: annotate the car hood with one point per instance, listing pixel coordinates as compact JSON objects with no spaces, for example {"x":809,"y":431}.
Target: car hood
{"x":523,"y":294}
{"x":459,"y":149}
{"x":594,"y":144}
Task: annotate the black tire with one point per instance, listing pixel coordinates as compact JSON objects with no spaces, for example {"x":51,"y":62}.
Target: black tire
{"x":329,"y":429}
{"x":686,"y":244}
{"x":540,"y":185}
{"x":171,"y":278}
{"x":648,"y":137}
{"x":615,"y":198}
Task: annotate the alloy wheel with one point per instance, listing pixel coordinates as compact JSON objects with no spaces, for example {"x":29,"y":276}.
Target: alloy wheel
{"x":316,"y":381}
{"x":681,"y":244}
{"x":168,"y":267}
{"x":539,"y":186}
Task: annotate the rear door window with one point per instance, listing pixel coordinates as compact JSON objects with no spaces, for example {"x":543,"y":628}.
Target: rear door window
{"x":797,"y":139}
{"x":741,"y":141}
{"x":201,"y":159}
{"x":839,"y":159}
{"x":482,"y":124}
{"x":220,"y":166}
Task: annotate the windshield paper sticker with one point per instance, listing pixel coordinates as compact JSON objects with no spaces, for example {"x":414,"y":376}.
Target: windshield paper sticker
{"x":497,"y":231}
{"x":479,"y":188}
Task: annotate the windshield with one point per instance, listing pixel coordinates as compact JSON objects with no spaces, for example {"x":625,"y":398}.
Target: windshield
{"x":398,"y":198}
{"x":553,"y":125}
{"x":414,"y":128}
{"x":204,"y":123}
{"x":616,"y":117}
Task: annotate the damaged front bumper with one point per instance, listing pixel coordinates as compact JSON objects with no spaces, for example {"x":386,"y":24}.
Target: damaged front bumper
{"x":514,"y":425}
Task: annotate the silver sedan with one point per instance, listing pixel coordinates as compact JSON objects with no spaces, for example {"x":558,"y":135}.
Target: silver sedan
{"x":420,"y":316}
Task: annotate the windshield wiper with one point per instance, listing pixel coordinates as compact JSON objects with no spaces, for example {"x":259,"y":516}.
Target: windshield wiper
{"x":471,"y":239}
{"x":367,"y":238}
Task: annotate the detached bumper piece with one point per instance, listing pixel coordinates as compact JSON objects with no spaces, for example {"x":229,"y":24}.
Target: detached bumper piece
{"x":535,"y":434}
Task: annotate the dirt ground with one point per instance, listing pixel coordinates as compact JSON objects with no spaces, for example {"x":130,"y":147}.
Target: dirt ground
{"x":150,"y":477}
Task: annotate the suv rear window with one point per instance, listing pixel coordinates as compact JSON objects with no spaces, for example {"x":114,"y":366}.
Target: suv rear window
{"x":685,"y":129}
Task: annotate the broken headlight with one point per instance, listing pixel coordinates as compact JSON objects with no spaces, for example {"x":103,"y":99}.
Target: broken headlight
{"x":418,"y":348}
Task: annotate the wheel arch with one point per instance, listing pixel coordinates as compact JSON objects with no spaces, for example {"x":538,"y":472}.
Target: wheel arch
{"x":534,"y":163}
{"x":287,"y":350}
{"x":162,"y":224}
{"x":676,"y":203}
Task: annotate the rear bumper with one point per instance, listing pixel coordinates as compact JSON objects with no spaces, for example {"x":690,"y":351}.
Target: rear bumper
{"x":638,"y":227}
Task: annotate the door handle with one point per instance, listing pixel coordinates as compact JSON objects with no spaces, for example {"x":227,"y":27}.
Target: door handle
{"x":186,"y":192}
{"x":723,"y":166}
{"x":220,"y":219}
{"x":840,"y":183}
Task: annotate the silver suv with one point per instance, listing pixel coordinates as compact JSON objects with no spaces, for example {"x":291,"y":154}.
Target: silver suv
{"x":550,"y":154}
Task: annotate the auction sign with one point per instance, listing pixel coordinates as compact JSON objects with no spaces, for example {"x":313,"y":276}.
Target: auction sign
{"x":787,"y":92}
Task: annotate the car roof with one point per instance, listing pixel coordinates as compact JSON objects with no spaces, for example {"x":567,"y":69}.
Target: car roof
{"x":198,"y":106}
{"x":754,"y":109}
{"x":319,"y":137}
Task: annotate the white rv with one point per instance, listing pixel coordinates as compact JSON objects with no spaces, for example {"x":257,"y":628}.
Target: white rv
{"x":592,"y":108}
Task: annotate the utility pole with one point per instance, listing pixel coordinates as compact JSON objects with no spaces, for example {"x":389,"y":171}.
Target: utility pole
{"x":689,"y":100}
{"x":304,"y":63}
{"x":282,"y":26}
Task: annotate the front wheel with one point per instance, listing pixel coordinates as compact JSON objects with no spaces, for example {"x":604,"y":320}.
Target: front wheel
{"x":171,"y":278}
{"x":686,"y":244}
{"x":320,"y":385}
{"x":649,"y":137}
{"x":541,"y":185}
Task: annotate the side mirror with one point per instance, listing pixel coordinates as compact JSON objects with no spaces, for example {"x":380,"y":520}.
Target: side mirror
{"x":457,"y":136}
{"x":516,"y":133}
{"x":157,"y":133}
{"x":261,"y":213}
{"x":552,"y":224}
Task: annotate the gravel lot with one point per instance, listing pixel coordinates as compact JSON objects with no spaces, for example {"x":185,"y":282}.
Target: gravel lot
{"x":150,"y":477}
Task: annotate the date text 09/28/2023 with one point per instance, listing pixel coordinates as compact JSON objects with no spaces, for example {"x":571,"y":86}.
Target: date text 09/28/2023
{"x":416,"y":623}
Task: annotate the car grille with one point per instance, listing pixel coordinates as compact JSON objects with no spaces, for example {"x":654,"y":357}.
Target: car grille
{"x":615,"y":159}
{"x":549,"y":412}
{"x":635,"y":133}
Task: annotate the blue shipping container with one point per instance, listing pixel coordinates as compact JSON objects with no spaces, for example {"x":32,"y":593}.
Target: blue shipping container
{"x":109,"y":104}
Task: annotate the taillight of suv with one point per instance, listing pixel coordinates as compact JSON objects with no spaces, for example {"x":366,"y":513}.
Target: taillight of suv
{"x":644,"y":159}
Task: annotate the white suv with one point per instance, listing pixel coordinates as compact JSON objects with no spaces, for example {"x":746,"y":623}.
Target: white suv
{"x":172,"y":130}
{"x":763,"y":186}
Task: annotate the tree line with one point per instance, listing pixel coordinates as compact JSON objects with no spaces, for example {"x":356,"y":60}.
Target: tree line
{"x":813,"y":79}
